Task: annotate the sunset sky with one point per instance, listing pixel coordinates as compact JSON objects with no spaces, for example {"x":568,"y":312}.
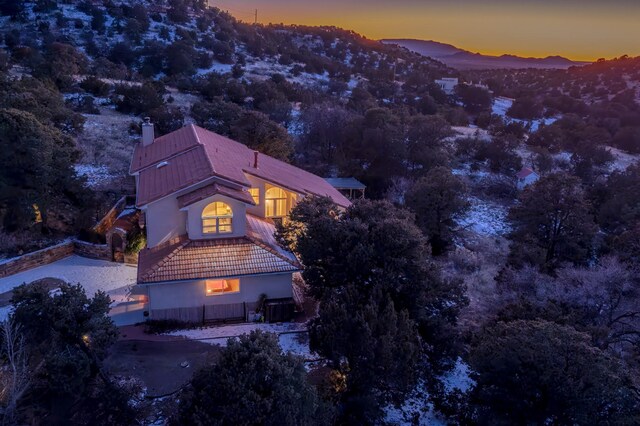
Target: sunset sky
{"x":578,"y":29}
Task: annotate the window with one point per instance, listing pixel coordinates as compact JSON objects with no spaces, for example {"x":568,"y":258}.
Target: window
{"x":218,"y":287}
{"x":275,"y":200}
{"x":255,"y":194}
{"x":216,"y":218}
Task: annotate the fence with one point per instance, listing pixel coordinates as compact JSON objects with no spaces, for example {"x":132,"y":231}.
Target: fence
{"x":277,"y":310}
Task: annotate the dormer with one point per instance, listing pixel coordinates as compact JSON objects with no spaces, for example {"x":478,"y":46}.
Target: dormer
{"x":215,"y":211}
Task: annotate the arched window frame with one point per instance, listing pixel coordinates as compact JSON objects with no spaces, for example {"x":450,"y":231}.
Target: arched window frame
{"x":277,"y":204}
{"x":215,"y":222}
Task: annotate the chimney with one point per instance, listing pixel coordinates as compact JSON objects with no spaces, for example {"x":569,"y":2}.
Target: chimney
{"x":148,"y":134}
{"x":255,"y":159}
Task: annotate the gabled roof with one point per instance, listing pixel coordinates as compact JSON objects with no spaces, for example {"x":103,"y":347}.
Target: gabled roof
{"x":524,"y":173}
{"x":193,"y":154}
{"x":213,"y":189}
{"x":346,"y":183}
{"x":184,"y":259}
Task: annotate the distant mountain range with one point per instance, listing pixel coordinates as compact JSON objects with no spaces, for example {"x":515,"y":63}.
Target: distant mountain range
{"x":463,"y":59}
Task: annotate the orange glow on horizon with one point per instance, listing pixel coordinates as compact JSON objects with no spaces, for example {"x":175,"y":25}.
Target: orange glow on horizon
{"x":585,"y":30}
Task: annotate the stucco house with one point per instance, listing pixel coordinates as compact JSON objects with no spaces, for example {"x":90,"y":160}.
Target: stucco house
{"x":525,"y":177}
{"x":209,"y":206}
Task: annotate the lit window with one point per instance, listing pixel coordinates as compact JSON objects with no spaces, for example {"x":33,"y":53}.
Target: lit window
{"x":217,"y":287}
{"x":275,"y":200}
{"x":255,"y":194}
{"x":217,"y":218}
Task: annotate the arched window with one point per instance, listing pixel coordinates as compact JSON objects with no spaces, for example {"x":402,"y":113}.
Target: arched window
{"x":275,"y":200}
{"x":216,"y":218}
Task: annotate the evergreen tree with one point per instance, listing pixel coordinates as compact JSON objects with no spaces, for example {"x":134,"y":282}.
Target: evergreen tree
{"x":253,"y":383}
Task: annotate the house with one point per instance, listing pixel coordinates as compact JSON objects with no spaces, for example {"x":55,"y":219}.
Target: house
{"x":209,"y":206}
{"x":525,"y":177}
{"x":350,"y":187}
{"x":447,"y":84}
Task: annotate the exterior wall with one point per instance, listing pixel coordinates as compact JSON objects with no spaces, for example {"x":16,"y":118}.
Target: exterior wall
{"x":188,"y":294}
{"x":259,"y":210}
{"x":194,"y":218}
{"x":164,"y":221}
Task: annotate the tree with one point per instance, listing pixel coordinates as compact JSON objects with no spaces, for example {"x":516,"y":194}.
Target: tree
{"x":537,"y":372}
{"x":425,"y":139}
{"x":253,"y":383}
{"x":141,"y":99}
{"x":324,"y":135}
{"x":14,"y":376}
{"x":552,"y":223}
{"x":368,"y":268}
{"x":258,"y":132}
{"x":67,"y":335}
{"x":526,"y":108}
{"x":437,"y":199}
{"x":36,"y":169}
{"x":628,"y":138}
{"x":475,"y":99}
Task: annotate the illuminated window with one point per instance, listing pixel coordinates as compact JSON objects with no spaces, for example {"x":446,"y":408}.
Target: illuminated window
{"x":255,"y":194}
{"x":275,"y":201}
{"x":217,"y":218}
{"x":218,"y":287}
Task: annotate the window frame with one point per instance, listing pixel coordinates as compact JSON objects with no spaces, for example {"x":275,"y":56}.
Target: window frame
{"x":222,"y":293}
{"x":256,"y":196}
{"x":214,"y":228}
{"x":276,"y":200}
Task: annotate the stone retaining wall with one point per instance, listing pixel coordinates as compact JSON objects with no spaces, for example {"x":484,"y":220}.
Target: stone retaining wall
{"x":107,"y":221}
{"x":93,"y":251}
{"x":36,"y":258}
{"x":53,"y":254}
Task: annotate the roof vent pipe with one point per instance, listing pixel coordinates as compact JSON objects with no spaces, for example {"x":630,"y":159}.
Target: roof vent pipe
{"x":255,"y":159}
{"x":148,"y":134}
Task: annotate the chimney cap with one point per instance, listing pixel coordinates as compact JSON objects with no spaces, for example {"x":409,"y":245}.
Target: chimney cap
{"x":147,"y":120}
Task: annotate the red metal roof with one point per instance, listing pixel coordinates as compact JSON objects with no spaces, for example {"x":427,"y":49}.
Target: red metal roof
{"x":213,"y":189}
{"x":524,"y":173}
{"x":184,"y":259}
{"x":194,"y":154}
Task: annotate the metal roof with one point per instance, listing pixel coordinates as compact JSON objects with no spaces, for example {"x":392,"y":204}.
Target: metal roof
{"x":346,"y":183}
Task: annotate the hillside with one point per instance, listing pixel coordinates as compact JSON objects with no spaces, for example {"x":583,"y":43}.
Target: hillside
{"x":465,"y":60}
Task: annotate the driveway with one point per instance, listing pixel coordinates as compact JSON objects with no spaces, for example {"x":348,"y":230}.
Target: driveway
{"x":115,"y":279}
{"x":163,"y":365}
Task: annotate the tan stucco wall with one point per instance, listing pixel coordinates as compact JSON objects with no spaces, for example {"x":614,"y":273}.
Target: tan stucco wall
{"x":187,"y":294}
{"x":164,"y":221}
{"x":194,"y":218}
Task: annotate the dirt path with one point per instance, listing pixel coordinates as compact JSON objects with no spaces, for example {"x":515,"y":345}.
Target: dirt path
{"x":164,"y":366}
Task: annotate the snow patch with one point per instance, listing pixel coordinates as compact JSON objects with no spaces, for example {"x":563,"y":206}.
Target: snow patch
{"x":485,"y":217}
{"x":96,"y":175}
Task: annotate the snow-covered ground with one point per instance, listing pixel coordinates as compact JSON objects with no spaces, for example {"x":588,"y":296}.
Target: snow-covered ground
{"x":622,"y":159}
{"x":501,"y":106}
{"x":485,"y":217}
{"x":415,"y":407}
{"x":293,"y":337}
{"x":116,"y":279}
{"x":96,"y":175}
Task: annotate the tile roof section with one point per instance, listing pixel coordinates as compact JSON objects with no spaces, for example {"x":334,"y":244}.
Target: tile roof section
{"x":183,"y":259}
{"x":217,"y":156}
{"x":213,"y":189}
